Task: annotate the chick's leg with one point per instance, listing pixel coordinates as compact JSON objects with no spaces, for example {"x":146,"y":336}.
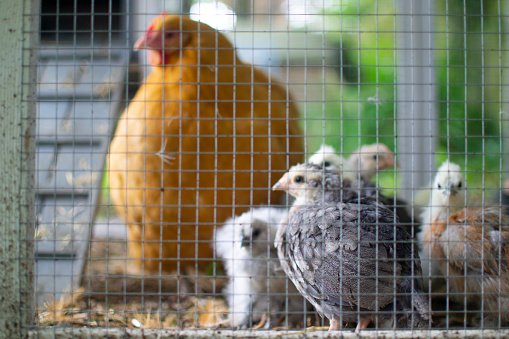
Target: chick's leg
{"x":335,"y":325}
{"x":362,"y":325}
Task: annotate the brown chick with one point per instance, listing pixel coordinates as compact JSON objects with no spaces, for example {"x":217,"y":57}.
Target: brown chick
{"x":471,"y":251}
{"x":369,"y":159}
{"x":198,"y":144}
{"x":502,"y":197}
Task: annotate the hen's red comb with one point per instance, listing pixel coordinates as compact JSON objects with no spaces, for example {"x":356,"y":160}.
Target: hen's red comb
{"x":151,"y":26}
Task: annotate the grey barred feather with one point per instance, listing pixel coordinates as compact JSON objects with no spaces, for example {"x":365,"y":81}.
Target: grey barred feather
{"x":347,"y":254}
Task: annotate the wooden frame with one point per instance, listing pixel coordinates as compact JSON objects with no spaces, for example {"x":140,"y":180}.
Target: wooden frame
{"x":18,"y":36}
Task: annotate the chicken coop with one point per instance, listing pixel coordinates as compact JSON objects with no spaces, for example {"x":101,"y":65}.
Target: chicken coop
{"x":241,"y":168}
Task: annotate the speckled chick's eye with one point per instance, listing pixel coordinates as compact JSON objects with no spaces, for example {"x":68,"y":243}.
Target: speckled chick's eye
{"x":439,"y":186}
{"x":460,"y":184}
{"x":326,"y":164}
{"x":313,"y":183}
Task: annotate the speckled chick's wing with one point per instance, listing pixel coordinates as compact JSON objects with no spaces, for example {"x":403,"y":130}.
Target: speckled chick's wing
{"x":338,"y":269}
{"x":398,"y":206}
{"x":333,"y":258}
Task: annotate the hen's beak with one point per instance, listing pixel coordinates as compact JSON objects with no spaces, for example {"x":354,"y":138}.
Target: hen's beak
{"x":150,"y":40}
{"x":140,"y":43}
{"x":282,"y":184}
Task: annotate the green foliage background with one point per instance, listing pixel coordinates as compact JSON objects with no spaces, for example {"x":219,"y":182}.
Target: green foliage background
{"x":469,"y":59}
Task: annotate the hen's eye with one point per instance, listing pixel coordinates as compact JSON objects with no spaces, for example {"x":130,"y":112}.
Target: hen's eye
{"x":169,"y":34}
{"x":326,"y":164}
{"x":460,"y":184}
{"x":256,"y":233}
{"x":439,"y":186}
{"x":375,"y":156}
{"x":299,"y":179}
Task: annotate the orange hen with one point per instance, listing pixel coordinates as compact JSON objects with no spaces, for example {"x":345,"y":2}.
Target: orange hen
{"x":205,"y":138}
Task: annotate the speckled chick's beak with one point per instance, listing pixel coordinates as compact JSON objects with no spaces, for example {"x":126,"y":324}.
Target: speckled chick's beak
{"x":282,"y":184}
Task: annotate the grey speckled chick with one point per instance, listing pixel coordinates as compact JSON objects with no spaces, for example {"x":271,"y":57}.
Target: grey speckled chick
{"x":258,"y":285}
{"x":346,"y":254}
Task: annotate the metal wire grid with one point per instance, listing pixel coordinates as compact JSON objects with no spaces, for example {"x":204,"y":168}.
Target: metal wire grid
{"x":345,"y":110}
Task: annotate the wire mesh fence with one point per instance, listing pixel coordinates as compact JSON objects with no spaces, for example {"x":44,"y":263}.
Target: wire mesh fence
{"x":168,"y":190}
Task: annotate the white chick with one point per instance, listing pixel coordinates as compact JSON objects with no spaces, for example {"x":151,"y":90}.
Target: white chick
{"x":327,"y":157}
{"x":447,"y":193}
{"x":258,"y":284}
{"x":447,"y":196}
{"x":238,"y":290}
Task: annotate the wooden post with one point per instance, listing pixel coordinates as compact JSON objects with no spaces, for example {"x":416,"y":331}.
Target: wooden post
{"x":504,"y":119}
{"x":17,"y":153}
{"x":417,"y":89}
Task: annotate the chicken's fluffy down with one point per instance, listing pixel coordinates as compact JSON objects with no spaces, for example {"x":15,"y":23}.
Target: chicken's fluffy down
{"x":470,"y":250}
{"x":257,"y":284}
{"x":199,"y":142}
